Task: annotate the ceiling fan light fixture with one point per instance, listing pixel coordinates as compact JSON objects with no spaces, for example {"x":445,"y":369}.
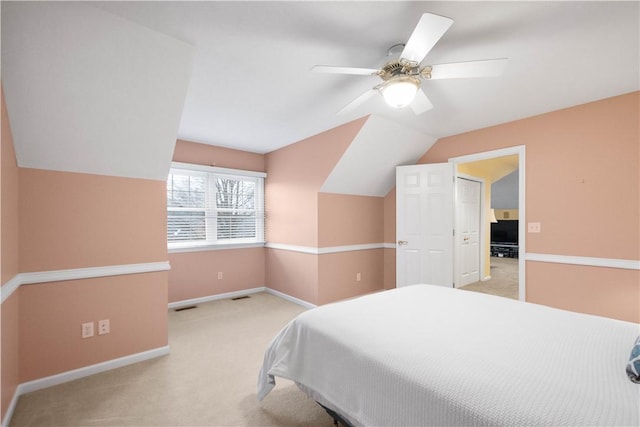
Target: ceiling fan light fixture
{"x":399,"y":92}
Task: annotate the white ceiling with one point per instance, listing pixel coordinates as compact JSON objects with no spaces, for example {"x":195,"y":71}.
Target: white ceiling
{"x":106,"y":87}
{"x":367,"y":168}
{"x":251,"y":87}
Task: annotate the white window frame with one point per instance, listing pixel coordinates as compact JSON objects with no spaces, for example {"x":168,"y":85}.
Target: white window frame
{"x":212,"y":243}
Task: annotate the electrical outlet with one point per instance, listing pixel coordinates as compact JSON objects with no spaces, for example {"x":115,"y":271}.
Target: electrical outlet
{"x":104,"y":327}
{"x":358,"y":277}
{"x":219,"y":275}
{"x":87,"y":330}
{"x":533,"y":227}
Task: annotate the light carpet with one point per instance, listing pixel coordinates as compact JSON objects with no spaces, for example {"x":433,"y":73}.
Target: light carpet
{"x":208,"y":379}
{"x":504,"y":279}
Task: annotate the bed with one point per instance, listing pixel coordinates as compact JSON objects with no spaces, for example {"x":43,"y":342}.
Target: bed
{"x":428,"y":355}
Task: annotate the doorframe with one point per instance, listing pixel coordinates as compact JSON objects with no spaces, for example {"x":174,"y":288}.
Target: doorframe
{"x":520,"y":151}
{"x":482,"y":236}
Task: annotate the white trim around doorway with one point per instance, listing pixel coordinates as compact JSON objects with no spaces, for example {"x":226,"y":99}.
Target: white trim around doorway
{"x":520,"y":151}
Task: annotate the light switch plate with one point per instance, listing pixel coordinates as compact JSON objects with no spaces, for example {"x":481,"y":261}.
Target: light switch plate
{"x":87,"y":330}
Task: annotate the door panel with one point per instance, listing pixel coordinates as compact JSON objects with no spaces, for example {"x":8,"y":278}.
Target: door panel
{"x":468,"y":223}
{"x":424,"y":226}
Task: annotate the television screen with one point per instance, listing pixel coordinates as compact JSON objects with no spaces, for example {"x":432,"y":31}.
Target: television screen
{"x":504,"y":231}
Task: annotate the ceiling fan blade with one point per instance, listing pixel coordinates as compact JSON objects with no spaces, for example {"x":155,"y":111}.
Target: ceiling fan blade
{"x":457,"y":70}
{"x":344,"y":70}
{"x":421,"y":103}
{"x":358,"y":101}
{"x":429,"y":30}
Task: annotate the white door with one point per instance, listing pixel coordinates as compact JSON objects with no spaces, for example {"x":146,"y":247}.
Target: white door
{"x":424,"y":224}
{"x":467,"y":239}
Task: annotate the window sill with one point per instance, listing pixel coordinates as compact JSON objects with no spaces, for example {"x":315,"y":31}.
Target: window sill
{"x":174,"y":249}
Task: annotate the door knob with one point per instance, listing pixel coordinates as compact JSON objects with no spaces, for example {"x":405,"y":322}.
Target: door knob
{"x":402,"y":242}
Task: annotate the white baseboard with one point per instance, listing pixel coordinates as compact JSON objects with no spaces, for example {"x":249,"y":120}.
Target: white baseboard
{"x":75,"y":374}
{"x":12,"y":406}
{"x":294,"y":300}
{"x":194,"y":301}
{"x":188,"y":302}
{"x":330,"y":249}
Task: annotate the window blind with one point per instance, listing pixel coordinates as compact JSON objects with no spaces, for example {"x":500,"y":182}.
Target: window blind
{"x":210,"y":206}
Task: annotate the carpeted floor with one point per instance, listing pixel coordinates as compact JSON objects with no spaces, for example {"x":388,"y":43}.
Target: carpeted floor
{"x":210,"y":376}
{"x":504,"y":279}
{"x":208,"y":379}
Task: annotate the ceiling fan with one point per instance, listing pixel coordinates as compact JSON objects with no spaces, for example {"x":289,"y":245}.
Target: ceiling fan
{"x":401,"y":78}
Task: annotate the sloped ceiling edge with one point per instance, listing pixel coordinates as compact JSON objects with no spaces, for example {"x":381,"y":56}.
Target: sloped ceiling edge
{"x":90,"y":92}
{"x":367,"y":167}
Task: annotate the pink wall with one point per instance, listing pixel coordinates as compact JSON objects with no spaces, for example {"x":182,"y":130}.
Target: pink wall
{"x":195,"y":274}
{"x":293,"y":273}
{"x":345,"y":220}
{"x":209,"y":155}
{"x":58,"y":221}
{"x":9,"y":323}
{"x":582,"y":167}
{"x":298,"y":214}
{"x":609,"y":292}
{"x":337,"y":274}
{"x":590,"y":154}
{"x":295,"y":175}
{"x":51,"y":315}
{"x":349,"y":220}
{"x":72,"y":220}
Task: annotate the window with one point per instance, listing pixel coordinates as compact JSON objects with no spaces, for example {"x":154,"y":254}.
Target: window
{"x":210,"y":206}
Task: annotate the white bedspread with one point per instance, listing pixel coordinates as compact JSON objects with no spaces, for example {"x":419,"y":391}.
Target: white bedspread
{"x":428,"y":355}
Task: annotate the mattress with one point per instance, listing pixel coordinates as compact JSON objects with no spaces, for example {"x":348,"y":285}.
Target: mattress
{"x":428,"y":355}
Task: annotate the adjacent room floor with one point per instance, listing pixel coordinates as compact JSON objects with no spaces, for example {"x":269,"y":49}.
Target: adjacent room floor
{"x":504,"y":279}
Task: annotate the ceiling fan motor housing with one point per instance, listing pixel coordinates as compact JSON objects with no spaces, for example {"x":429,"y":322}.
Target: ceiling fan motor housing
{"x":403,"y":67}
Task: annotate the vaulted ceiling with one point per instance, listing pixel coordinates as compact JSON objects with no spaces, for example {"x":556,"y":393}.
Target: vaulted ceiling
{"x":108,"y":86}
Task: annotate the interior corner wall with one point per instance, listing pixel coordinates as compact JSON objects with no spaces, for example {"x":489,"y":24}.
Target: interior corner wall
{"x":295,"y":174}
{"x":74,"y":222}
{"x":10,"y":369}
{"x":345,"y":219}
{"x":344,"y":275}
{"x":293,"y":273}
{"x":350,"y":221}
{"x":9,"y":326}
{"x":58,"y":221}
{"x":194,"y":274}
{"x":582,"y":168}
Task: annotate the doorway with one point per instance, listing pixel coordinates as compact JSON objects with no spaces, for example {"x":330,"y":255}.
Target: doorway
{"x":425,"y":214}
{"x":502,"y":262}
